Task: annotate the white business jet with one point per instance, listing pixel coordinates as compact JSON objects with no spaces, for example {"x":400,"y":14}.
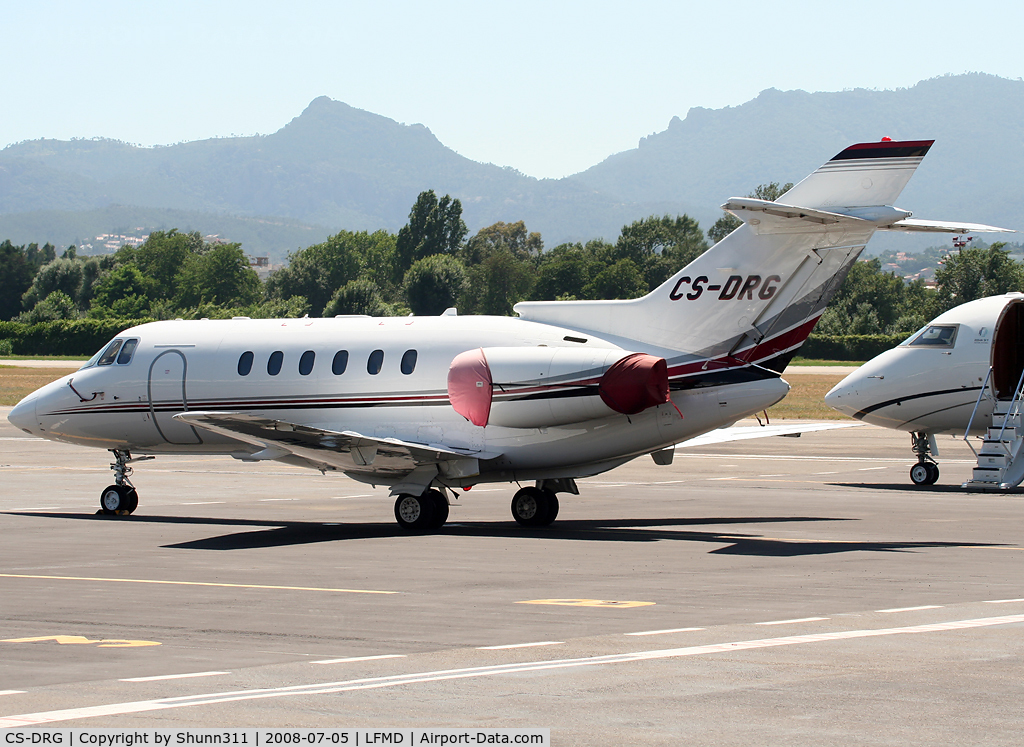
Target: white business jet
{"x":426,"y":405}
{"x":961,"y":374}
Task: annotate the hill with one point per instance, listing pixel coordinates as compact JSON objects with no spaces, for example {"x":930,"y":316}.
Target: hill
{"x":973,"y":171}
{"x":335,"y":167}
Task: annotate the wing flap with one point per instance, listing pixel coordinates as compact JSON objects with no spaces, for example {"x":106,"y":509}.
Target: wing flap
{"x":345,"y":450}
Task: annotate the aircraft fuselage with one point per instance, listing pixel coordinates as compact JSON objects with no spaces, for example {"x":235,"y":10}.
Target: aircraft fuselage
{"x":391,"y":383}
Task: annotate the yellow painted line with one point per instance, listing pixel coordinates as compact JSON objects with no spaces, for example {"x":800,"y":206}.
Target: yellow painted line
{"x":65,"y":640}
{"x":196,"y":583}
{"x":587,"y":603}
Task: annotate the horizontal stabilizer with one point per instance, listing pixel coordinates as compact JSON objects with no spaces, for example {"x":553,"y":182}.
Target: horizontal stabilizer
{"x":776,"y":217}
{"x":941,"y":226}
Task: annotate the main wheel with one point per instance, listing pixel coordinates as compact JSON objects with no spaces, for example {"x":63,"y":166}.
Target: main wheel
{"x":119,"y":499}
{"x":414,"y":512}
{"x":531,"y":507}
{"x":920,"y":473}
{"x":552,"y":508}
{"x":440,"y":508}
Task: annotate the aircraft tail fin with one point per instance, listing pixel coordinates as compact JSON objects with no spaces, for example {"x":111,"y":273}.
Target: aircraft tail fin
{"x":754,"y":296}
{"x":863,"y":175}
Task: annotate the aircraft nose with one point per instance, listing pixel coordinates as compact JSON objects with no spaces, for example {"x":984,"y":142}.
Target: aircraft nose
{"x":24,"y":414}
{"x":845,"y":396}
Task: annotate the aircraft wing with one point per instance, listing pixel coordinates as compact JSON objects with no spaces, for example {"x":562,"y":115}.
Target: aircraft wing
{"x":343,"y":450}
{"x":941,"y":226}
{"x":746,"y":432}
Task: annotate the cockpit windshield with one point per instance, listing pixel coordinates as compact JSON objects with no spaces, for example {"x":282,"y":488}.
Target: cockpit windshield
{"x":118,"y":350}
{"x":110,"y":353}
{"x":936,"y":336}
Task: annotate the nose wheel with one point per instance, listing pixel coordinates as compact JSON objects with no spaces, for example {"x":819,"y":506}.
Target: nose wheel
{"x":121,"y":498}
{"x":926,"y":471}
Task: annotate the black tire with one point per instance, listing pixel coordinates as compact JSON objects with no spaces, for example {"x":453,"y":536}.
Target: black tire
{"x":440,"y":508}
{"x":414,"y":513}
{"x":552,"y":509}
{"x":531,"y":506}
{"x":933,"y":473}
{"x":920,"y":473}
{"x":118,"y":499}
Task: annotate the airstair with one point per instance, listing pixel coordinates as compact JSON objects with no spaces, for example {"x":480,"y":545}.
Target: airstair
{"x":1001,"y":458}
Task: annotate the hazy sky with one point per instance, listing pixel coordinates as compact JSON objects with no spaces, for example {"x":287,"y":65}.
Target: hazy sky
{"x":550,"y":88}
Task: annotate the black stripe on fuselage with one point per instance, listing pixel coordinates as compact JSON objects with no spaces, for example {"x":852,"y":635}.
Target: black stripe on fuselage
{"x":871,"y":408}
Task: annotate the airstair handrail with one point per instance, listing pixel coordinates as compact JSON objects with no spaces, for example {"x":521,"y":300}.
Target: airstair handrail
{"x":970,"y":422}
{"x":1014,"y":404}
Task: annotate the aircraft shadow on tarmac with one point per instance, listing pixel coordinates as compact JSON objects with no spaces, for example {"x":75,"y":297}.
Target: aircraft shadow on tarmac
{"x":267,"y":534}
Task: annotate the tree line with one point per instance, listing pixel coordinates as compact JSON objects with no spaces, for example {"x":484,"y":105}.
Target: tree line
{"x":432,"y":264}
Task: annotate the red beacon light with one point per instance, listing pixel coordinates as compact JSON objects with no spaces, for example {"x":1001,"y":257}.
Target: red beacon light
{"x":886,"y":139}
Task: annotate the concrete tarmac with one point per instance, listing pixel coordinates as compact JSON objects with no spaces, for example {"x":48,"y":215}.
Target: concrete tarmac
{"x":773,"y":591}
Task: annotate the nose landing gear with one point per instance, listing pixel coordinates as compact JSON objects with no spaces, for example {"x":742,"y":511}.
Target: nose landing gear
{"x":926,"y":471}
{"x":121,"y":498}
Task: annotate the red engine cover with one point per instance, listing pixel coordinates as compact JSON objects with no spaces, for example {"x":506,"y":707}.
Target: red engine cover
{"x":469,"y":386}
{"x":634,"y":383}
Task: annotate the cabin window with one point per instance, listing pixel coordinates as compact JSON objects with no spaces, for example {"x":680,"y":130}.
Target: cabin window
{"x":376,"y":360}
{"x":936,"y":336}
{"x":245,"y":363}
{"x":409,"y":362}
{"x":127,"y":351}
{"x":340,"y":362}
{"x":275,"y":362}
{"x":306,"y":362}
{"x":110,"y":353}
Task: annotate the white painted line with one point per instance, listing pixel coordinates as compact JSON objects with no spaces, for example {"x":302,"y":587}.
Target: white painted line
{"x":781,"y":475}
{"x":414,"y":678}
{"x":264,"y":500}
{"x":172,"y":676}
{"x":520,"y":645}
{"x":1003,"y":601}
{"x":797,"y":620}
{"x":683,"y":452}
{"x":869,"y":469}
{"x":12,"y":692}
{"x":914,"y":609}
{"x":202,"y":503}
{"x":722,"y":478}
{"x":34,"y":508}
{"x":359,"y":658}
{"x":826,"y":473}
{"x":662,"y":632}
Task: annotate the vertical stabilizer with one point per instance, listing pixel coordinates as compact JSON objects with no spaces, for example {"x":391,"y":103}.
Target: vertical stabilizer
{"x":755,"y":296}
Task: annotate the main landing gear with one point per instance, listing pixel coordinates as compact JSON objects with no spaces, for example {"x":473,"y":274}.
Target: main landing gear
{"x":531,"y":507}
{"x":422,"y":513}
{"x":926,"y":471}
{"x":534,"y":507}
{"x":121,"y":498}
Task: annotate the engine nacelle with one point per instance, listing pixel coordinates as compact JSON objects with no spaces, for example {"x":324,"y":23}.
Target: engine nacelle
{"x":536,"y":387}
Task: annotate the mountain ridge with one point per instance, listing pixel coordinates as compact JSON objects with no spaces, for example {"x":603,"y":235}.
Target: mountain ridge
{"x":339,"y":167}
